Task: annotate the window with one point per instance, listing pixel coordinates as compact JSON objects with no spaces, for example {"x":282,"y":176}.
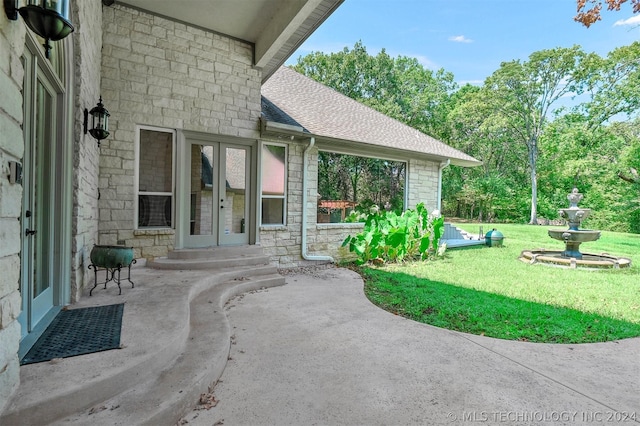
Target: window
{"x":274,"y":178}
{"x":155,"y":178}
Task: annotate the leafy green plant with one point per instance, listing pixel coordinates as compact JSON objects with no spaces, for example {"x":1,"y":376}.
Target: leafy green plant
{"x":391,"y":237}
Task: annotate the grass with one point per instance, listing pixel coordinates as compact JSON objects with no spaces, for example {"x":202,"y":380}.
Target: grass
{"x":488,"y":291}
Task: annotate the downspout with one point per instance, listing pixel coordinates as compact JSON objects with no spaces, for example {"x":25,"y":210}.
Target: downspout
{"x":305,"y":255}
{"x":443,"y":166}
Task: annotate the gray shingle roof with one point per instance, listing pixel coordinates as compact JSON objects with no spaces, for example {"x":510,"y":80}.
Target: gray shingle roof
{"x":324,"y":112}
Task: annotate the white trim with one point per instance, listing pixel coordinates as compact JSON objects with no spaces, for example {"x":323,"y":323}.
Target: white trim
{"x":363,"y":155}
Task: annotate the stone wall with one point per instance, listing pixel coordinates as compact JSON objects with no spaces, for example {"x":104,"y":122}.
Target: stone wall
{"x":11,"y":149}
{"x":166,"y":74}
{"x":422,"y":184}
{"x":87,"y":44}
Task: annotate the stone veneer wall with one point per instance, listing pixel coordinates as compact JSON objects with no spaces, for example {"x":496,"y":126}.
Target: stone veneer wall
{"x":423,"y":184}
{"x":166,"y":74}
{"x":11,"y":149}
{"x":284,"y":243}
{"x":87,"y":45}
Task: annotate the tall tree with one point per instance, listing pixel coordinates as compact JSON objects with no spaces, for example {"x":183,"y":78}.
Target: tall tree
{"x":487,"y":189}
{"x":524,"y":94}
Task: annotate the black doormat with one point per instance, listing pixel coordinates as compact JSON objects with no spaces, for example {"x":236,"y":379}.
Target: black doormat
{"x":78,"y":332}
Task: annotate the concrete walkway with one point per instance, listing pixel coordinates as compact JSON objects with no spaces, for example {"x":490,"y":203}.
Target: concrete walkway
{"x":317,"y":352}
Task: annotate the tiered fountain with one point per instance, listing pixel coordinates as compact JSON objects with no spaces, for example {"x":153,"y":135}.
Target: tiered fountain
{"x":573,"y":237}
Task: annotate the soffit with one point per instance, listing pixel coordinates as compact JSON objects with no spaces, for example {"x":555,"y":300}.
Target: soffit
{"x":276,"y":28}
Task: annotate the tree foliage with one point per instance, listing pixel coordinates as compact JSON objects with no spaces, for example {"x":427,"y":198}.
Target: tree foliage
{"x":534,"y":148}
{"x":589,"y":11}
{"x":361,"y":179}
{"x":524,"y":93}
{"x":400,"y":88}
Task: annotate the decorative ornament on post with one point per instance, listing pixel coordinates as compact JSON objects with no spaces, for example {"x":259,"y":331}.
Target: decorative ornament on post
{"x":99,"y":121}
{"x":50,"y":20}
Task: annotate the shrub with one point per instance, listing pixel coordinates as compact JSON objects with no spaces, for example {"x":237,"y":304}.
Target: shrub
{"x":391,"y":237}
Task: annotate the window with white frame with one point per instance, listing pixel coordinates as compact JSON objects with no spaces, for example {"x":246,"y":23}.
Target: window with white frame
{"x":155,"y":178}
{"x":274,"y":184}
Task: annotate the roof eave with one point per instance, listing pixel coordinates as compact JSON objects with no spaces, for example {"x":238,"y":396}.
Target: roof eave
{"x":368,"y":149}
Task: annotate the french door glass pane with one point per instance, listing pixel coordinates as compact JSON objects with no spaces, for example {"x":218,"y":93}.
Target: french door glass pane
{"x":201,"y":187}
{"x":42,"y":190}
{"x":235,"y":191}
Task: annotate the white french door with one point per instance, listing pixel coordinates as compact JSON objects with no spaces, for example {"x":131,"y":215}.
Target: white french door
{"x":218,"y":194}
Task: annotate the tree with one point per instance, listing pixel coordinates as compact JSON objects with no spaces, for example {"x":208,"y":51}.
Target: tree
{"x":589,"y":10}
{"x":614,"y":85}
{"x":523,"y":94}
{"x":400,"y":88}
{"x":489,"y":191}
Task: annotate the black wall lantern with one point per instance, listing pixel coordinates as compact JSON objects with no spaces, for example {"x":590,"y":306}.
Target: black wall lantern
{"x":99,"y":121}
{"x":49,"y":19}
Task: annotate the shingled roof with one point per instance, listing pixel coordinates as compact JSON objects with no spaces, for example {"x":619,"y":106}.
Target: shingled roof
{"x":292,"y":98}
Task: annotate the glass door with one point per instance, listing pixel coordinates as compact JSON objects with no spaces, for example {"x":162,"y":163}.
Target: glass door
{"x":38,"y":209}
{"x":218,"y":194}
{"x":234,"y":194}
{"x":202,"y":195}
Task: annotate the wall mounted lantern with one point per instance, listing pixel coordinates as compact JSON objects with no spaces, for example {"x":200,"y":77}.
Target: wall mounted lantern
{"x":99,"y":121}
{"x":50,"y":19}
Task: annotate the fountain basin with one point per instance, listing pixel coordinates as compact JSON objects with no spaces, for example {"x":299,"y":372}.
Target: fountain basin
{"x":577,"y":236}
{"x":588,"y":261}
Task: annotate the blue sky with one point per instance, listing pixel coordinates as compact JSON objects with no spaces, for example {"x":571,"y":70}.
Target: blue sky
{"x":469,"y":38}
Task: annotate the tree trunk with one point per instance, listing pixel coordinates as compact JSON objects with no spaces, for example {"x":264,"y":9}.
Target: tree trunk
{"x":533,"y":157}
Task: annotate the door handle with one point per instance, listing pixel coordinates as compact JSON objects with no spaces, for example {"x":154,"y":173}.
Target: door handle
{"x":29,"y":232}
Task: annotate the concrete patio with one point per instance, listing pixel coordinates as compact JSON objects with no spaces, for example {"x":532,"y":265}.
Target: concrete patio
{"x":314,"y":351}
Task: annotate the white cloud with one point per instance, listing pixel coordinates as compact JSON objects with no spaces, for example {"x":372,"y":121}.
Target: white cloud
{"x":460,"y":39}
{"x":424,"y":61}
{"x":634,"y":20}
{"x":471,"y":82}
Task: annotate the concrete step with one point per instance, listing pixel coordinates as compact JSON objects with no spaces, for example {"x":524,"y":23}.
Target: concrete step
{"x":194,"y":264}
{"x":226,"y":252}
{"x":210,"y":258}
{"x":175,"y":390}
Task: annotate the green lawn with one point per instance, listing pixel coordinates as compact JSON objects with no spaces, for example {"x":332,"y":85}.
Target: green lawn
{"x":488,"y":291}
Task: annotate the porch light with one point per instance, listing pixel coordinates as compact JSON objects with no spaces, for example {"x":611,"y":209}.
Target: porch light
{"x":99,"y":121}
{"x":50,"y":20}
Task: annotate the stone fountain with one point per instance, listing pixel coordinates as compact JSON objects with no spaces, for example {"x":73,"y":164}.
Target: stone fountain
{"x":572,"y":238}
